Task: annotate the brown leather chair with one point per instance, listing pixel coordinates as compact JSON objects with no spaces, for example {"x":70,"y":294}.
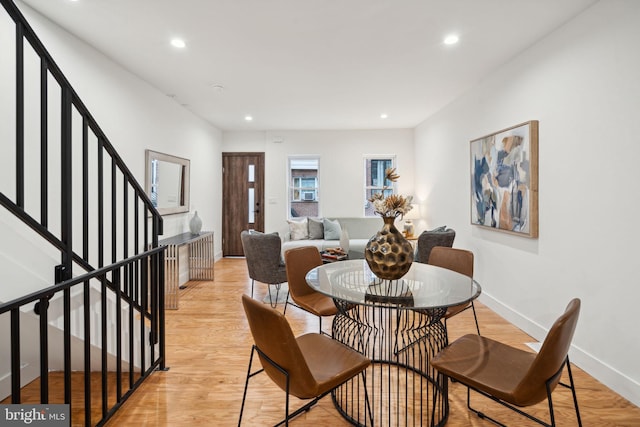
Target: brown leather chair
{"x":262,"y":252}
{"x":298,"y":262}
{"x":508,"y":375}
{"x":460,"y":261}
{"x":299,"y":366}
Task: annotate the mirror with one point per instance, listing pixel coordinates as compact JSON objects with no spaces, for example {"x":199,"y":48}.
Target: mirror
{"x":167,"y":182}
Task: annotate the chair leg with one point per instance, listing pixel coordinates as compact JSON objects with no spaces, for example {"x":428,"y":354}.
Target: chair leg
{"x":320,"y":327}
{"x":271,"y":297}
{"x":473,"y":307}
{"x":286,"y":406}
{"x":481,"y":415}
{"x":252,"y":282}
{"x":286,"y":375}
{"x":550,"y":401}
{"x":573,"y":391}
{"x":246,"y":383}
{"x":286,"y":303}
{"x":271,"y":302}
{"x":513,"y":408}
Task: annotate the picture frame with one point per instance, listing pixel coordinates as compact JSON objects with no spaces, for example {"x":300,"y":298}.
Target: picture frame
{"x":504,"y":180}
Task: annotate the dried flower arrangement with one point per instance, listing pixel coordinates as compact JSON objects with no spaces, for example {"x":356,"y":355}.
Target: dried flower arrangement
{"x":394,"y":205}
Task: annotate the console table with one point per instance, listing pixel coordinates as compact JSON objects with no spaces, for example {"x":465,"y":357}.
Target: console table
{"x":188,"y":257}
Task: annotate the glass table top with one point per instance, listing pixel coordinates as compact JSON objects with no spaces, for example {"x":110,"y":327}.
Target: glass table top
{"x":423,"y":287}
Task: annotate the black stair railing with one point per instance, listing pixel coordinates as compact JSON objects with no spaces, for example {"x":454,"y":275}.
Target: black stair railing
{"x":90,"y":207}
{"x":128,"y":370}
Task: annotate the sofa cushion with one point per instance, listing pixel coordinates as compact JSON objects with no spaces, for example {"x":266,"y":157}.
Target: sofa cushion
{"x":298,"y":229}
{"x":332,"y":230}
{"x":316,"y":228}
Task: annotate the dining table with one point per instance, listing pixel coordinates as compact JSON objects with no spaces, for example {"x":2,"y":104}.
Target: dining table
{"x":399,"y":324}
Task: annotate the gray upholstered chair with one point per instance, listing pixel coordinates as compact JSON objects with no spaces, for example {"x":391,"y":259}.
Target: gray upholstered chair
{"x":262,"y":252}
{"x":430,"y":239}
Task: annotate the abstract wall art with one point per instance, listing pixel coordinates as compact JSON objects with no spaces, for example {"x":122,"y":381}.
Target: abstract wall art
{"x":504,"y":180}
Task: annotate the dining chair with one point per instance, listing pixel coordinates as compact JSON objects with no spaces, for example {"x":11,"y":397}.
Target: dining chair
{"x":299,"y":366}
{"x":298,"y":262}
{"x":513,"y":377}
{"x":427,"y":240}
{"x":460,"y":261}
{"x":262,"y":252}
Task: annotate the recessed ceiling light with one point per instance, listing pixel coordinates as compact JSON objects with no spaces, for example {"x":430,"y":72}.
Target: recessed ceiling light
{"x":179,"y":43}
{"x":451,"y":39}
{"x":248,"y":118}
{"x":383,"y":116}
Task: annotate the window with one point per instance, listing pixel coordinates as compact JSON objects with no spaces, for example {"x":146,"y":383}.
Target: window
{"x":374,"y":170}
{"x":303,"y":187}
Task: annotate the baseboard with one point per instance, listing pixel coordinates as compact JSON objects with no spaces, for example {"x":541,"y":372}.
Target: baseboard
{"x":607,"y":375}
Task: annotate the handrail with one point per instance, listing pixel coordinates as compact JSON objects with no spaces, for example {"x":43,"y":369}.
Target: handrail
{"x":43,"y":293}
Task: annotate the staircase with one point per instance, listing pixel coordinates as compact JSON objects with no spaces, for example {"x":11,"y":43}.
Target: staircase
{"x":81,"y":273}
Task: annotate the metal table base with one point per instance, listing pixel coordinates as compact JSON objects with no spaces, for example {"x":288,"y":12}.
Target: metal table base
{"x":402,"y":387}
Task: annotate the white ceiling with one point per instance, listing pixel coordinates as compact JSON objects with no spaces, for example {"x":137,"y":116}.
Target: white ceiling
{"x":311,"y":64}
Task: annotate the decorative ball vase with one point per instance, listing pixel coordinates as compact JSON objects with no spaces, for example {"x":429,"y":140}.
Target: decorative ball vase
{"x":195,"y":225}
{"x":388,"y":253}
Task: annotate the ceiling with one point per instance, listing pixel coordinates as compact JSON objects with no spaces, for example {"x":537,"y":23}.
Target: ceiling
{"x":311,"y":64}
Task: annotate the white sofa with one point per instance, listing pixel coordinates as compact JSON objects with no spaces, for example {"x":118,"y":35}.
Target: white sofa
{"x":357,"y":231}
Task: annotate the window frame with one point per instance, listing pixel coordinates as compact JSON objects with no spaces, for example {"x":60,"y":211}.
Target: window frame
{"x":292,"y":188}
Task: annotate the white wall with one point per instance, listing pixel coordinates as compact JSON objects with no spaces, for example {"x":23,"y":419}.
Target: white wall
{"x":581,"y":82}
{"x":136,"y":116}
{"x":341,"y":165}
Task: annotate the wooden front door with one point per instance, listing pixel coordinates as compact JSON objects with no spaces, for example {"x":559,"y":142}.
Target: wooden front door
{"x":242,"y":198}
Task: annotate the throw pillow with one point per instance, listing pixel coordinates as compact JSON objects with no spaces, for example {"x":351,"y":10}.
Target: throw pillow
{"x":439,"y":229}
{"x":316,"y":228}
{"x":332,"y":229}
{"x":298,"y":230}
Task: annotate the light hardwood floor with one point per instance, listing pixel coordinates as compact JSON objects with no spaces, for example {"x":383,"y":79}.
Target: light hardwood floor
{"x":208,"y":348}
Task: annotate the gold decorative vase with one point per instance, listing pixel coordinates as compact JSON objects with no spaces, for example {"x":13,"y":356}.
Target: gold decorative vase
{"x":388,"y":253}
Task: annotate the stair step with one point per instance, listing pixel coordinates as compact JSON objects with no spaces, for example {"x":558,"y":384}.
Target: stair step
{"x":31,"y":393}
